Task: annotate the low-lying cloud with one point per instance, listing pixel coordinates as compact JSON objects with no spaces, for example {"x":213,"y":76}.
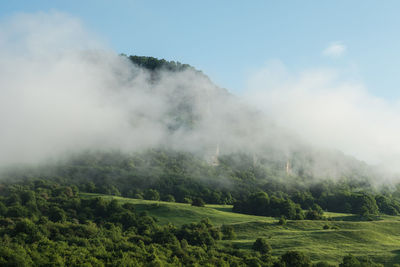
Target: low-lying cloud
{"x":330,"y":111}
{"x":63,"y":91}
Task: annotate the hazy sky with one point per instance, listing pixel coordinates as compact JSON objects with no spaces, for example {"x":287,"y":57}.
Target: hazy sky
{"x":230,"y":40}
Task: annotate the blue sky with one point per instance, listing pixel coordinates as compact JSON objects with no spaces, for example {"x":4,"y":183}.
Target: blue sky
{"x":229,"y":40}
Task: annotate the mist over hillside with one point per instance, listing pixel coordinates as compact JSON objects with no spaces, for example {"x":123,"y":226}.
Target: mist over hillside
{"x":69,"y":94}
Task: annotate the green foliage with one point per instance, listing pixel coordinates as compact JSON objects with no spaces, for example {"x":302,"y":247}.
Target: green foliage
{"x":95,"y":232}
{"x":187,"y":200}
{"x":350,"y":261}
{"x":152,"y":194}
{"x":255,"y":188}
{"x":387,"y":205}
{"x":315,"y":213}
{"x":14,"y":255}
{"x":56,"y":214}
{"x":323,"y":264}
{"x":261,"y":204}
{"x":68,"y":230}
{"x":169,"y":198}
{"x":228,"y":232}
{"x":295,"y":259}
{"x":198,"y":202}
{"x":154,"y":64}
{"x":282,"y":220}
{"x":261,"y":245}
{"x":3,"y":209}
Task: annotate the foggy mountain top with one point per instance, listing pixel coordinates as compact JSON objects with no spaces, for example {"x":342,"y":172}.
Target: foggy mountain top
{"x":62,"y":91}
{"x":81,"y":98}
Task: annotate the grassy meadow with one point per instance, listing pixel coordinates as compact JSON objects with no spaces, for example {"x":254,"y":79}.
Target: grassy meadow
{"x":379,"y":239}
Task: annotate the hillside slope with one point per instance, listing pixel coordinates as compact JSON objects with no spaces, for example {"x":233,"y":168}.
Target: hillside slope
{"x":379,"y":240}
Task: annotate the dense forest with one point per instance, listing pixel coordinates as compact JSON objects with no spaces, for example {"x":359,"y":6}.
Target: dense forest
{"x":46,"y":221}
{"x":46,"y":224}
{"x":179,"y":176}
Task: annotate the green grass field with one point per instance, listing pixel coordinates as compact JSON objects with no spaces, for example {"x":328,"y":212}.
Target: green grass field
{"x":380,"y":240}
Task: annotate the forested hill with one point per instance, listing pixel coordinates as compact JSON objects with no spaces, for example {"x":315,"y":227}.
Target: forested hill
{"x":211,"y":120}
{"x":206,"y":147}
{"x":231,"y":161}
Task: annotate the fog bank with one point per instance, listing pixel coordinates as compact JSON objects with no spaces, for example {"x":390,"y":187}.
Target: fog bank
{"x":63,"y":91}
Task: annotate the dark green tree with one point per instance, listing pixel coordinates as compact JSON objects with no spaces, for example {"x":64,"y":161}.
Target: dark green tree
{"x":350,"y":261}
{"x":198,"y":202}
{"x":295,"y":259}
{"x":261,"y":245}
{"x":152,"y":194}
{"x":228,"y":232}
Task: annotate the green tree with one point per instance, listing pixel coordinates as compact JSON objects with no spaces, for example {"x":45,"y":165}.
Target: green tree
{"x":282,"y":220}
{"x":56,"y":214}
{"x":350,"y":261}
{"x":169,"y":198}
{"x":198,"y":202}
{"x":261,"y":245}
{"x":228,"y":233}
{"x":296,"y":259}
{"x":152,"y":194}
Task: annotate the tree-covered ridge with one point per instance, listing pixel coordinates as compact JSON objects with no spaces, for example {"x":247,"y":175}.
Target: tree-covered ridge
{"x":201,"y":117}
{"x":187,"y":93}
{"x":155,"y":64}
{"x":184,"y":177}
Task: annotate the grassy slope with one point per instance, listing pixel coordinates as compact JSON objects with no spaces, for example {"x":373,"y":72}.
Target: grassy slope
{"x":380,"y":240}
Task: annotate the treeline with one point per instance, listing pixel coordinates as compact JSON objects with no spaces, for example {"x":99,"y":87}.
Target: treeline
{"x":260,"y":204}
{"x":360,"y":203}
{"x":338,"y":199}
{"x":183,"y":177}
{"x":155,"y":64}
{"x":153,"y":175}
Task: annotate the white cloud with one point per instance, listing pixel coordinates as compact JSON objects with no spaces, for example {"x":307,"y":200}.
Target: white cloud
{"x":330,"y":111}
{"x":335,"y":50}
{"x":62,"y":91}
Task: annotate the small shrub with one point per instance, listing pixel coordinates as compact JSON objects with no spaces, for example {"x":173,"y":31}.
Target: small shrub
{"x":138,"y":196}
{"x":349,"y":261}
{"x":152,"y":194}
{"x":282,"y":221}
{"x":187,"y":200}
{"x":261,"y":246}
{"x":198,"y":202}
{"x":295,"y":259}
{"x":228,"y":232}
{"x":169,"y":198}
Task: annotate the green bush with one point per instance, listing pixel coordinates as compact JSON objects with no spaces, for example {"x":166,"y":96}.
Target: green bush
{"x":228,"y":233}
{"x":198,"y":202}
{"x":261,"y":245}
